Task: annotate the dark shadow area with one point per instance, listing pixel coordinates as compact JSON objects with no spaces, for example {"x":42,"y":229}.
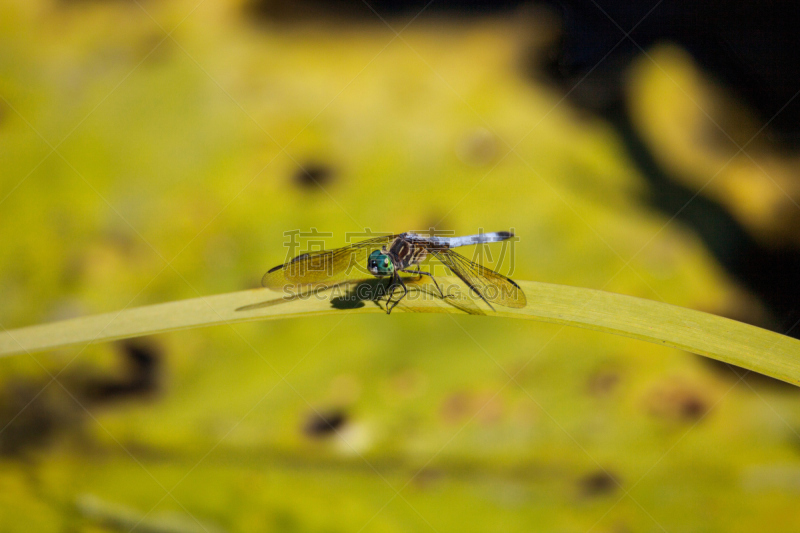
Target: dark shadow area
{"x":753,"y":49}
{"x":369,"y":10}
{"x":377,"y":291}
{"x":598,"y":483}
{"x":141,"y":376}
{"x":35,"y":413}
{"x":347,"y":302}
{"x":313,"y":176}
{"x":324,"y":424}
{"x":32,"y":414}
{"x":771,"y":273}
{"x":733,"y":373}
{"x":355,"y":295}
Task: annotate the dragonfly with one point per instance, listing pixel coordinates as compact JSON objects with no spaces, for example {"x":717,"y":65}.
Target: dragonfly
{"x":390,"y":255}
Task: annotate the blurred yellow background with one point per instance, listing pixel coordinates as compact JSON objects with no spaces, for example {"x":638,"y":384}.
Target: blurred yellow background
{"x":155,"y":151}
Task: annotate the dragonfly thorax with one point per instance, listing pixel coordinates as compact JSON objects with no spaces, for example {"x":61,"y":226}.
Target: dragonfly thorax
{"x":380,"y":264}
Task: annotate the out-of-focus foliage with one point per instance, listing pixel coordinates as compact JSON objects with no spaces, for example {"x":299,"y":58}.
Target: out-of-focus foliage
{"x":139,"y":167}
{"x":710,"y":142}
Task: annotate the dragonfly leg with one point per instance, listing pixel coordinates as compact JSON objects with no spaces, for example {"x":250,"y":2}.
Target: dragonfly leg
{"x":389,"y":294}
{"x":389,"y":304}
{"x":420,"y":273}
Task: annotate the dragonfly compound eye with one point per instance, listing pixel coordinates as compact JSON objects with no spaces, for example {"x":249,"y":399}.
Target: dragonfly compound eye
{"x":380,"y":264}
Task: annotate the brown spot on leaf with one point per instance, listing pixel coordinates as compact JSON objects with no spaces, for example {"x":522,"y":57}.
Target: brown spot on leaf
{"x":321,"y":424}
{"x":141,"y":374}
{"x":478,"y":147}
{"x":677,"y":400}
{"x":603,"y":382}
{"x":313,"y":176}
{"x":455,"y":407}
{"x":487,"y":408}
{"x":427,"y":477}
{"x":32,"y":414}
{"x":598,"y":483}
{"x":409,"y":383}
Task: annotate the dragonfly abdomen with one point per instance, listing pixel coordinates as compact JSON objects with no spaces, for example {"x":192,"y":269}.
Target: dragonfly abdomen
{"x":467,"y":240}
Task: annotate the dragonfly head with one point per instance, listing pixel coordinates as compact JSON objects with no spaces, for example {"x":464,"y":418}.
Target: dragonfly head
{"x":380,"y":264}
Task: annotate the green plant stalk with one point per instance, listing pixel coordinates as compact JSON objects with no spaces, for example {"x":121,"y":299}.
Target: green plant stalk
{"x":720,"y":338}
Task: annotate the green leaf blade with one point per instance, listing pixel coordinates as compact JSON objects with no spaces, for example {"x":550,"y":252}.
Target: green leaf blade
{"x":702,"y":333}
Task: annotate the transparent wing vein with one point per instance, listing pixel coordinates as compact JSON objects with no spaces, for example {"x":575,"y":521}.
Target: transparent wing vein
{"x":490,"y":285}
{"x":325,"y":267}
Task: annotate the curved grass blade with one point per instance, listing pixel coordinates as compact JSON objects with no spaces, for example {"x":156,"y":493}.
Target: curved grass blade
{"x":720,"y":338}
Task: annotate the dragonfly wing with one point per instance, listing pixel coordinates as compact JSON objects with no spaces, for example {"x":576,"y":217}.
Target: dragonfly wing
{"x":325,"y":268}
{"x":490,"y":285}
